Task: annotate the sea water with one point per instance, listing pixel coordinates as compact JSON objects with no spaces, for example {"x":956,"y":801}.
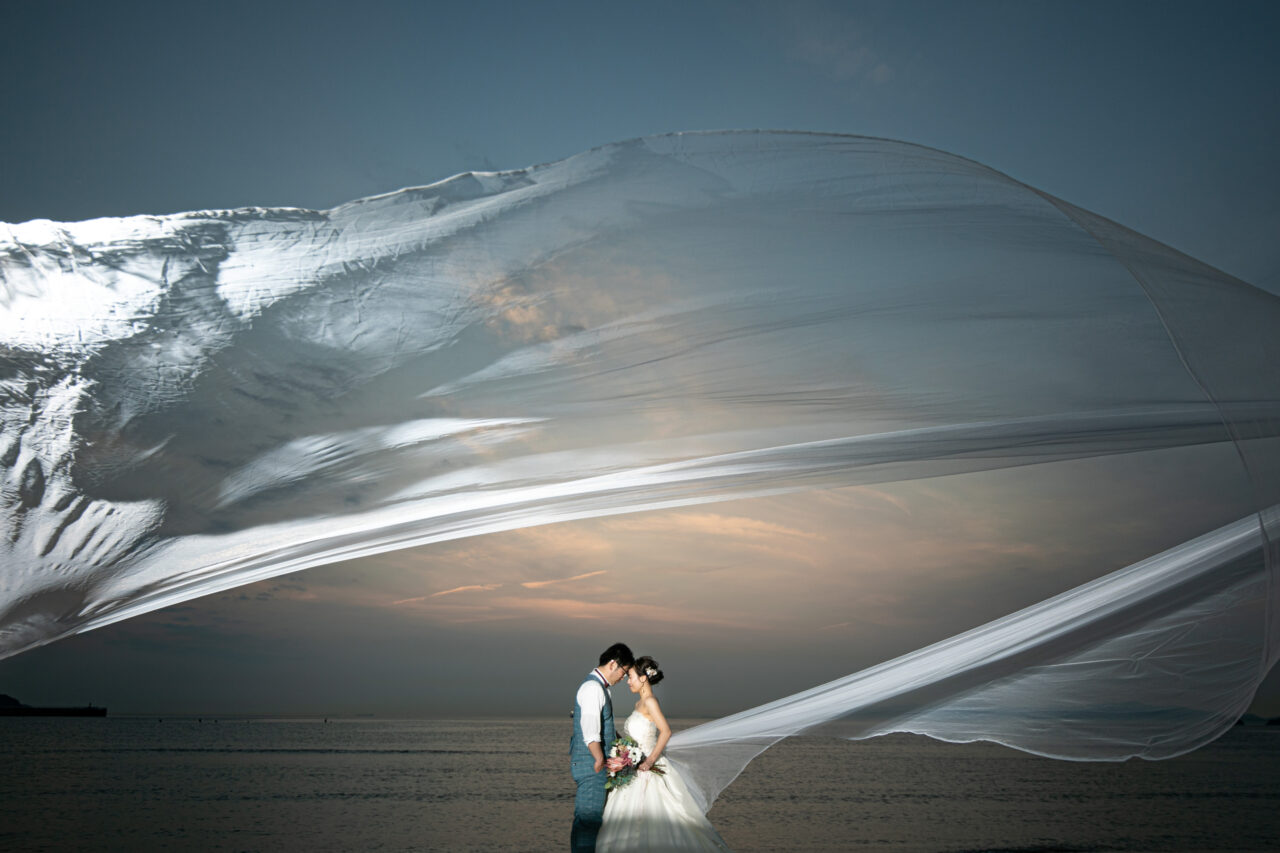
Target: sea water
{"x":370,"y":784}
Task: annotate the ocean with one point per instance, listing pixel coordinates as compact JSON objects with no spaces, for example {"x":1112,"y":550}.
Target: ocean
{"x":141,"y":784}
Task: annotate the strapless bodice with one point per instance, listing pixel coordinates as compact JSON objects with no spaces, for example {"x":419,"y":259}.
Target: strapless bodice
{"x":643,"y":731}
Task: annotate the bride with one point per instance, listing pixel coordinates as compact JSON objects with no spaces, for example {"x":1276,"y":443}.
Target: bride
{"x":654,"y":811}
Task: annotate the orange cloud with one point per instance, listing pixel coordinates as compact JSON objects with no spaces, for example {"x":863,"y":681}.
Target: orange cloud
{"x":558,"y":610}
{"x":475,"y":587}
{"x":711,"y":524}
{"x":540,"y":584}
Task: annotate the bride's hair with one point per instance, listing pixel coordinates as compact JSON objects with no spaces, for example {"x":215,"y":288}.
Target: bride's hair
{"x":648,"y":667}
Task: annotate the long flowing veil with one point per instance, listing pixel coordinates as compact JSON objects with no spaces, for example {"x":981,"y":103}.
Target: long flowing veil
{"x":1150,"y":661}
{"x":198,"y":401}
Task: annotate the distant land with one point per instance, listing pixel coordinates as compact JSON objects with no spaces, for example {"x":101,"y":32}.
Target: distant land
{"x":10,"y":707}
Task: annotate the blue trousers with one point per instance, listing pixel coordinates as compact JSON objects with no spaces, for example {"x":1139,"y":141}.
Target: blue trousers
{"x":588,"y":805}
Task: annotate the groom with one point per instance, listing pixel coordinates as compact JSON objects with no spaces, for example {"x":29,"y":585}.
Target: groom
{"x":593,"y":734}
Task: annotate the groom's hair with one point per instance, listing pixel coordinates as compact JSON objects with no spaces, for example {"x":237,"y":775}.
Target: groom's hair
{"x":620,"y":653}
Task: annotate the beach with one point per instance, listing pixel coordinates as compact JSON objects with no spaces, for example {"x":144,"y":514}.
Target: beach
{"x":269,"y":784}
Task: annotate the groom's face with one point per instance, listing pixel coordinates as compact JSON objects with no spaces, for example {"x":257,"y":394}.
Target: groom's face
{"x":615,"y":674}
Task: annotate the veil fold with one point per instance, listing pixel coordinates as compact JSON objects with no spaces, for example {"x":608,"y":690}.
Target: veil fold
{"x":194,"y":402}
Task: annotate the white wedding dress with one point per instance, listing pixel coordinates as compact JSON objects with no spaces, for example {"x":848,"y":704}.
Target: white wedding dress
{"x":654,"y":812}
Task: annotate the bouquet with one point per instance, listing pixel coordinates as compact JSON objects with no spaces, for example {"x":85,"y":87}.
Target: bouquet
{"x":624,"y":762}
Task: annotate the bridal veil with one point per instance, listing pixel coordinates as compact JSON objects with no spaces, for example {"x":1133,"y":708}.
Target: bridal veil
{"x":198,"y":401}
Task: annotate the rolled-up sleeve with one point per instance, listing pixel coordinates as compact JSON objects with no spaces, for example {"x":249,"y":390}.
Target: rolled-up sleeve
{"x":591,"y":701}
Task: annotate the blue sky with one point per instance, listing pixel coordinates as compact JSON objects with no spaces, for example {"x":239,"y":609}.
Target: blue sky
{"x":1161,"y":116}
{"x":1164,"y":117}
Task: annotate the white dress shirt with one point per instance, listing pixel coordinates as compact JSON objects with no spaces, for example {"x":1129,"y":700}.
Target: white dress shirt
{"x":591,"y":701}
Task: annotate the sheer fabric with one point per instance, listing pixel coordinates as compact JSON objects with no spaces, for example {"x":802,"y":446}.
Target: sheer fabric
{"x":194,"y":402}
{"x":1150,"y":661}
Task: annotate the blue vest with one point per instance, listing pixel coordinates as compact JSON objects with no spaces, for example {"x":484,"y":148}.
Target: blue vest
{"x":578,"y":749}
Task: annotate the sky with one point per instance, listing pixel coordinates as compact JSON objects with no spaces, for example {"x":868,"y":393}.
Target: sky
{"x":1164,"y":117}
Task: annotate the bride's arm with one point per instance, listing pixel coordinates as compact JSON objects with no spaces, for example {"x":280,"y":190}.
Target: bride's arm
{"x":664,"y":732}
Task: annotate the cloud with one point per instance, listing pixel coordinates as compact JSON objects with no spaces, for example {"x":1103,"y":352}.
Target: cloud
{"x":859,"y":560}
{"x":540,"y":584}
{"x":475,"y":587}
{"x":853,"y":496}
{"x":830,"y":40}
{"x":685,"y":542}
{"x":557,"y":612}
{"x":711,"y":524}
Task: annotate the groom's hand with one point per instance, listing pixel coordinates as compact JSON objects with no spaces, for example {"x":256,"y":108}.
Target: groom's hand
{"x":599,"y":763}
